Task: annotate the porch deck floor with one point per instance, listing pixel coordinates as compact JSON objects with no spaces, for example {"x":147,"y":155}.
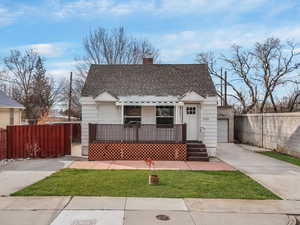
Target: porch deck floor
{"x":158,"y":165}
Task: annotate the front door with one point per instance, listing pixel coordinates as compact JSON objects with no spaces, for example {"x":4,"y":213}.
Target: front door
{"x":191,"y":119}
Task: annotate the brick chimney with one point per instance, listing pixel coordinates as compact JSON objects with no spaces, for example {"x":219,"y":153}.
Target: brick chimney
{"x":148,"y":60}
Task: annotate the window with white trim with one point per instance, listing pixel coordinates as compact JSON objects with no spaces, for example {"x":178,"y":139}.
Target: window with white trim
{"x":132,"y":115}
{"x":164,"y":116}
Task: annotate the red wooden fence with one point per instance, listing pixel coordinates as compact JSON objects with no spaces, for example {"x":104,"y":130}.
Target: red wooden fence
{"x":38,"y":140}
{"x":3,"y":144}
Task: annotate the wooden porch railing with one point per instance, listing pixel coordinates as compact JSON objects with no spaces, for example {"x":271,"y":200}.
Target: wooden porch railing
{"x":144,"y":133}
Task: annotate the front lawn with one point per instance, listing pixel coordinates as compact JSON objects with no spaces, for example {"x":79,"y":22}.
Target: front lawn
{"x":283,"y":157}
{"x":134,"y":183}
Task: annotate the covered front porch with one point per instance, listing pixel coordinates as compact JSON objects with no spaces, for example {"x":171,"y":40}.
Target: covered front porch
{"x":137,"y":142}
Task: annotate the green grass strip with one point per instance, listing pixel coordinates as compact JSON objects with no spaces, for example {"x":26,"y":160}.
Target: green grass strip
{"x":283,"y":157}
{"x":134,"y":183}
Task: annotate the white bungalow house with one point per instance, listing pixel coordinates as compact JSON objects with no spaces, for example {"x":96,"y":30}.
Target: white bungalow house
{"x":158,"y":99}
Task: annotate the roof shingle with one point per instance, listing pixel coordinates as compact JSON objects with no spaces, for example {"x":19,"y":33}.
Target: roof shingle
{"x":153,"y":79}
{"x":6,"y":102}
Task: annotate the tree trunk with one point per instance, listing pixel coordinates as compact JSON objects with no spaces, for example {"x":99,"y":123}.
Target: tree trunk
{"x":273,"y":103}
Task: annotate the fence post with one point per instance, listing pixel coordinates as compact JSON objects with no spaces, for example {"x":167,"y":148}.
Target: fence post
{"x":137,"y":133}
{"x":184,"y":133}
{"x":92,"y":133}
{"x":8,"y":143}
{"x":262,"y":130}
{"x":68,"y":133}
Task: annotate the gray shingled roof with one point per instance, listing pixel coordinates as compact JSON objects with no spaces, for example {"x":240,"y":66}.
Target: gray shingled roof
{"x":154,"y":79}
{"x":6,"y":102}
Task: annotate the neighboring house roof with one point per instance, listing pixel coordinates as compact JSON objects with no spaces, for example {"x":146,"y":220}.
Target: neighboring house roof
{"x":149,"y":79}
{"x":6,"y":102}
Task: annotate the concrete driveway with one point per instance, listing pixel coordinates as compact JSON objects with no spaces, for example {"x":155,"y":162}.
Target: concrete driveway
{"x":280,"y":177}
{"x":15,"y":175}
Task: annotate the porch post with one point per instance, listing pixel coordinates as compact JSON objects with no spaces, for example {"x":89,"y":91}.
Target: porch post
{"x":122,"y":113}
{"x":177,"y":114}
{"x":183,"y":132}
{"x":122,"y":122}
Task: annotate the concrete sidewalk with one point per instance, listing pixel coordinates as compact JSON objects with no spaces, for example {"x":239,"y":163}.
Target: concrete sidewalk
{"x":17,"y":174}
{"x":280,"y":177}
{"x":136,"y":211}
{"x":157,"y":165}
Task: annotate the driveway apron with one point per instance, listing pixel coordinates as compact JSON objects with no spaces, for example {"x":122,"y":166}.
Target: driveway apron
{"x":280,"y":177}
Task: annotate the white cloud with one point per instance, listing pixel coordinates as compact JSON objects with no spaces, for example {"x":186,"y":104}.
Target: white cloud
{"x":91,"y":8}
{"x":59,"y":73}
{"x":207,"y":6}
{"x":8,"y":16}
{"x":60,"y":69}
{"x":48,"y":49}
{"x":64,"y":64}
{"x":177,"y":46}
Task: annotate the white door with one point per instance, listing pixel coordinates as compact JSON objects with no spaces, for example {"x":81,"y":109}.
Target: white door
{"x":222,"y":131}
{"x":191,"y":119}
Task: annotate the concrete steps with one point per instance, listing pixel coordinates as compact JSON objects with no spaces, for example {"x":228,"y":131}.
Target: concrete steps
{"x":196,"y":151}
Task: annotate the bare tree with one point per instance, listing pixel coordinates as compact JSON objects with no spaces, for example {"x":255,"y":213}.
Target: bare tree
{"x":290,"y":102}
{"x":256,"y":74}
{"x":21,"y":68}
{"x":29,"y":83}
{"x":108,"y":46}
{"x":274,"y":63}
{"x":239,"y":65}
{"x":104,"y":46}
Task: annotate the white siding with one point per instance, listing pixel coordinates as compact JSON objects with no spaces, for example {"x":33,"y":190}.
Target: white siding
{"x":149,"y":115}
{"x":108,"y":113}
{"x":89,"y":115}
{"x":209,"y":122}
{"x":178,"y":114}
{"x":5,"y":115}
{"x":102,"y":113}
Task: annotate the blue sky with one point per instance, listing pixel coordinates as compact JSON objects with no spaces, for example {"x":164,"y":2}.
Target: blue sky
{"x":179,"y":28}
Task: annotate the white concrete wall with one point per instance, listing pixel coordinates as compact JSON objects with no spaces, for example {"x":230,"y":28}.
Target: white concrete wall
{"x":280,"y":131}
{"x":208,"y":120}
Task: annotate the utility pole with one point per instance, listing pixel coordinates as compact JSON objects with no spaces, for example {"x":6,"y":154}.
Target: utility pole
{"x":221,"y":86}
{"x":70,"y":97}
{"x":225,"y":88}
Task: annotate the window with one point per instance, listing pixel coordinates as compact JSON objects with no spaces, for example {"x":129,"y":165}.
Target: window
{"x":164,"y":116}
{"x":190,"y":110}
{"x":132,"y":115}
